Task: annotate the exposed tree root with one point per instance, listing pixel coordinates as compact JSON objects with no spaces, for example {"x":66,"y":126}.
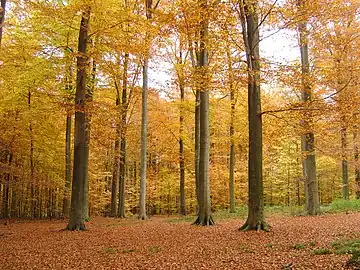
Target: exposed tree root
{"x":76,"y":227}
{"x":143,"y":217}
{"x":259,"y":226}
{"x":206,"y":221}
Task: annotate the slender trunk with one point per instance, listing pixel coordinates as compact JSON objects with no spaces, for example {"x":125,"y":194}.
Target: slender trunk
{"x":115,"y":178}
{"x":77,"y":218}
{"x":32,"y":183}
{"x":250,"y":25}
{"x":308,"y":139}
{"x":2,"y":18}
{"x":142,"y":207}
{"x":6,"y":191}
{"x":67,"y":166}
{"x":232,"y":131}
{"x":124,"y":107}
{"x":204,"y":217}
{"x":181,"y":140}
{"x":356,"y":161}
{"x":344,"y":163}
{"x":197,"y":148}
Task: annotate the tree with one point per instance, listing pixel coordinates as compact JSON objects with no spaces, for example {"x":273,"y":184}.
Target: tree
{"x":77,"y":218}
{"x":204,"y":217}
{"x":250,"y":27}
{"x":308,"y":139}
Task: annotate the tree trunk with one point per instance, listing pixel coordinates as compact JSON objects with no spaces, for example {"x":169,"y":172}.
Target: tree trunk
{"x":356,"y":161}
{"x":197,"y":148}
{"x":33,"y":186}
{"x":115,"y":179}
{"x":67,"y":166}
{"x":77,"y":218}
{"x":142,"y":207}
{"x":122,"y":173}
{"x":250,"y":25}
{"x":232,"y":131}
{"x":204,"y":217}
{"x":181,"y":141}
{"x":308,"y":139}
{"x":2,"y":18}
{"x":344,"y":162}
{"x":6,"y":191}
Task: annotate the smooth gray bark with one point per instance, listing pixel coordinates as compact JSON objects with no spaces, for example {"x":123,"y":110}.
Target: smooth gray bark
{"x":204,"y":217}
{"x":77,"y":218}
{"x":356,"y":161}
{"x":142,"y":207}
{"x":116,"y":168}
{"x":312,"y":205}
{"x":344,"y":162}
{"x":122,"y":165}
{"x":66,"y":204}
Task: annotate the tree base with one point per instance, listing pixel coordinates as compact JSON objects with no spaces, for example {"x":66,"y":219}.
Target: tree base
{"x":143,"y":217}
{"x":75,"y":227}
{"x":206,"y":221}
{"x":259,"y":226}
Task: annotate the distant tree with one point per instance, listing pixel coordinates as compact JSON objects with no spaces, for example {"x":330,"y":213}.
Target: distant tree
{"x":2,"y":17}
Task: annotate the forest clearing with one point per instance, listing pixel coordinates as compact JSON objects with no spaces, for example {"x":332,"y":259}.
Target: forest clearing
{"x":295,"y":242}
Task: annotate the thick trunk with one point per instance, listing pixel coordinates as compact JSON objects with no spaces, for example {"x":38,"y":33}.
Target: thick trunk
{"x":77,"y":218}
{"x":122,"y":170}
{"x":142,"y":206}
{"x":66,"y":200}
{"x":197,"y":148}
{"x":250,"y":25}
{"x":312,"y":206}
{"x":232,"y":131}
{"x":204,"y":217}
{"x":2,"y":18}
{"x":344,"y":164}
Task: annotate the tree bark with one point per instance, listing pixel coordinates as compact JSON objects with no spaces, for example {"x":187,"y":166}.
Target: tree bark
{"x":344,"y":162}
{"x":204,"y":218}
{"x":122,"y":171}
{"x":142,"y":207}
{"x":77,"y":218}
{"x":250,"y":25}
{"x":67,"y":166}
{"x":356,"y":160}
{"x":312,"y":206}
{"x":115,"y":179}
{"x":2,"y":18}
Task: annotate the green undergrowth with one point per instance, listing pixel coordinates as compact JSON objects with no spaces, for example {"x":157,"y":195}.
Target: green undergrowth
{"x":341,"y":205}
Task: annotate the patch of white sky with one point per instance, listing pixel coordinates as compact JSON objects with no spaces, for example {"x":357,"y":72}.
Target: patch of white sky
{"x":277,"y":47}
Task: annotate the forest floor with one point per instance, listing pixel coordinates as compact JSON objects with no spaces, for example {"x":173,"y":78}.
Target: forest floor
{"x":171,"y":243}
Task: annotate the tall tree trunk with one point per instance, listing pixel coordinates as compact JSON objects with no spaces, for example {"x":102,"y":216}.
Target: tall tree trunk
{"x":142,"y":207}
{"x":204,"y":217}
{"x":77,"y":218}
{"x":89,"y":98}
{"x":181,"y":140}
{"x":344,"y":162}
{"x":232,"y":131}
{"x":197,"y":148}
{"x":356,"y":160}
{"x":115,"y":178}
{"x":6,"y":191}
{"x":308,"y":139}
{"x":250,"y":25}
{"x":122,"y":171}
{"x":67,"y":166}
{"x":2,"y":18}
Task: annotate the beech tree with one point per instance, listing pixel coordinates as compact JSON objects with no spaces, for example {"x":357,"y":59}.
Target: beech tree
{"x":77,"y":218}
{"x":307,"y":139}
{"x":250,"y":27}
